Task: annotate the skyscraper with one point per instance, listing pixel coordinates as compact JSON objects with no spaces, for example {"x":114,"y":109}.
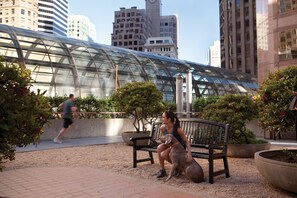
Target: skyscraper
{"x":169,"y":27}
{"x":214,"y":54}
{"x":132,"y":27}
{"x":238,"y":35}
{"x":277,"y":35}
{"x":53,"y":16}
{"x":81,"y":28}
{"x":153,"y":10}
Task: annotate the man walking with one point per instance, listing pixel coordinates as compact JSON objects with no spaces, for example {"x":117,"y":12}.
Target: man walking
{"x":68,"y":109}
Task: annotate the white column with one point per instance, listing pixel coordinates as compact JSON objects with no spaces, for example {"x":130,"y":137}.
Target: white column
{"x":189,"y":90}
{"x":179,"y":95}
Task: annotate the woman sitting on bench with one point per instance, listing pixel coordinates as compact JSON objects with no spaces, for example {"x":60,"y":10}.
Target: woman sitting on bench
{"x":171,"y":125}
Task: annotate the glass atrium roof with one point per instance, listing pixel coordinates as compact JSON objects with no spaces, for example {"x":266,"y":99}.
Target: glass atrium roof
{"x":62,"y":65}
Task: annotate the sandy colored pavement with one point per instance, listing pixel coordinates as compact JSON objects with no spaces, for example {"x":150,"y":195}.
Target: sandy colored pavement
{"x":245,"y":180}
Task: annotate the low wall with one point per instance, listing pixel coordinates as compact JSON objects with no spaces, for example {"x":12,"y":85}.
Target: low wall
{"x":89,"y":128}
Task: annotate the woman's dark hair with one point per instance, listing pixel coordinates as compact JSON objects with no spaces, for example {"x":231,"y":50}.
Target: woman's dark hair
{"x":174,"y":119}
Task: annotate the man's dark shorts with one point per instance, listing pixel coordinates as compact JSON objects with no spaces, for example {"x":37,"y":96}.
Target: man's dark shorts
{"x":67,"y":122}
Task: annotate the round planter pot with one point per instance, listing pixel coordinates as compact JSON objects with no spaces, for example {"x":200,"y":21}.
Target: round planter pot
{"x":279,"y":173}
{"x":127,"y":135}
{"x":245,"y":150}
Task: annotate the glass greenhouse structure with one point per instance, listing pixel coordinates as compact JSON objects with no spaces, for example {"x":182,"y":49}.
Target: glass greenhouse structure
{"x":62,"y":65}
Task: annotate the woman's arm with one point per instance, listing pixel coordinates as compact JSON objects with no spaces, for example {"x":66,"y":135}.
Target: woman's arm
{"x":188,"y":145}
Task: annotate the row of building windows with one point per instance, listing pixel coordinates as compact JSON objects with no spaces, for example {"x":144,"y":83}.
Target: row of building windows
{"x":160,"y":49}
{"x":287,"y":5}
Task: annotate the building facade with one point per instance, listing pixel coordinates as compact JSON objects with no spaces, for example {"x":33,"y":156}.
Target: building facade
{"x":163,"y":46}
{"x":214,"y":54}
{"x":153,"y":10}
{"x":238,"y":35}
{"x":277,"y":35}
{"x":80,"y":27}
{"x":61,"y":65}
{"x":19,"y":13}
{"x":131,"y":28}
{"x":169,"y":27}
{"x":53,"y":16}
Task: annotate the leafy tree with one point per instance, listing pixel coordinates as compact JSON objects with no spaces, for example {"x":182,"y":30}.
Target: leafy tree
{"x":23,"y":112}
{"x":275,"y":95}
{"x":235,"y":110}
{"x":142,"y":100}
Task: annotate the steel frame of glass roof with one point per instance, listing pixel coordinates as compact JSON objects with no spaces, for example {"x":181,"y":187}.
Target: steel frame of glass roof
{"x":62,"y":65}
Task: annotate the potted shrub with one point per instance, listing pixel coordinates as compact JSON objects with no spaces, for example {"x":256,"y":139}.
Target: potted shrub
{"x":143,"y":102}
{"x":23,"y":112}
{"x":236,"y":110}
{"x":275,"y":95}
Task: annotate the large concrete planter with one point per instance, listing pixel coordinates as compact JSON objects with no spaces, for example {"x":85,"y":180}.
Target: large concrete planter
{"x":279,"y":173}
{"x":245,"y":150}
{"x":127,"y":135}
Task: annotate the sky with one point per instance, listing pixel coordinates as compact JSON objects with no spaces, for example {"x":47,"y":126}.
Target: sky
{"x":198,"y":22}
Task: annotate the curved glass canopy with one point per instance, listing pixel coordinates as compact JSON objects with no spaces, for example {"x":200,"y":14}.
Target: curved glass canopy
{"x":62,"y":65}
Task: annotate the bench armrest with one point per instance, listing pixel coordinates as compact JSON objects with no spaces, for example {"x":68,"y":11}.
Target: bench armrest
{"x":140,"y":138}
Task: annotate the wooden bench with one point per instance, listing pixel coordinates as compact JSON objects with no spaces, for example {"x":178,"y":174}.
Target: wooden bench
{"x":208,"y":141}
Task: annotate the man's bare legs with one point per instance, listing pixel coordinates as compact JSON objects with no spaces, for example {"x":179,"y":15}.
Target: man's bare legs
{"x":62,"y":131}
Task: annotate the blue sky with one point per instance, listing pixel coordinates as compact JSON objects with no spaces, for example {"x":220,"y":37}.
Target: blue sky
{"x":198,"y":22}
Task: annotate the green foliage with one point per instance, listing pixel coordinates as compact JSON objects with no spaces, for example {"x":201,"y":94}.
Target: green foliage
{"x":170,"y":105}
{"x":23,"y":112}
{"x":275,"y":95}
{"x":200,"y":103}
{"x":142,"y":100}
{"x":235,"y":110}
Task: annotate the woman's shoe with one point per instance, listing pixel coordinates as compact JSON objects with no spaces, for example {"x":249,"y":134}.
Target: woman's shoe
{"x":161,"y":173}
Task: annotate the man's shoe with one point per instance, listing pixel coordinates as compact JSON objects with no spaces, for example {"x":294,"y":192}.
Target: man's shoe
{"x":161,"y":173}
{"x":57,"y":141}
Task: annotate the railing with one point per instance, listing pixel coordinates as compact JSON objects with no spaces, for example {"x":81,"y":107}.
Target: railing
{"x":88,"y":115}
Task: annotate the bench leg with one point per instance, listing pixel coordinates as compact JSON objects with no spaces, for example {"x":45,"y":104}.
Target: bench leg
{"x":210,"y":162}
{"x":134,"y":157}
{"x":152,"y":157}
{"x":226,"y":167}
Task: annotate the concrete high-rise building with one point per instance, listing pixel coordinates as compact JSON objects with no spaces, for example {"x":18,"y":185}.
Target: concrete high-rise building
{"x":277,"y":35}
{"x":80,"y":27}
{"x":238,"y":35}
{"x":169,"y":27}
{"x":19,"y":13}
{"x":131,"y":28}
{"x":53,"y":16}
{"x":163,"y":46}
{"x":214,"y":54}
{"x":153,"y":10}
{"x":132,"y":34}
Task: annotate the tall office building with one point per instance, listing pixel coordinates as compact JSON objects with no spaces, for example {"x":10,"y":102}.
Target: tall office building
{"x":153,"y":10}
{"x":169,"y":27}
{"x":53,"y":16}
{"x":80,"y":27}
{"x":132,"y":34}
{"x":214,"y":54}
{"x":19,"y":13}
{"x":131,"y":28}
{"x":238,"y":35}
{"x":277,"y":35}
